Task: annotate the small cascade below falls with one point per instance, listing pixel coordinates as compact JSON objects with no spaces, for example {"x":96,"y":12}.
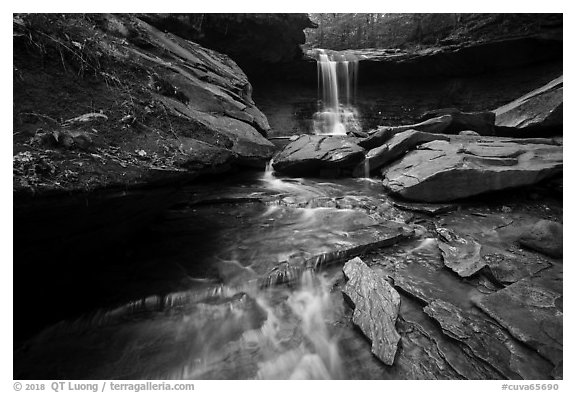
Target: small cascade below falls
{"x":337,"y":79}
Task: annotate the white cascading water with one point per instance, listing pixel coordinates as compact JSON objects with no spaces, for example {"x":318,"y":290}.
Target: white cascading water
{"x":337,"y":78}
{"x":317,"y":357}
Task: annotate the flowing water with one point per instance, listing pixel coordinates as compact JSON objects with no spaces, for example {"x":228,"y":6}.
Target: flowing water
{"x":243,"y":280}
{"x":337,"y":81}
{"x":237,"y":322}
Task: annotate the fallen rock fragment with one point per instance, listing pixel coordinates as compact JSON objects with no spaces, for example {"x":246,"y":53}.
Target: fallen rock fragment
{"x":376,"y":306}
{"x":461,"y":254}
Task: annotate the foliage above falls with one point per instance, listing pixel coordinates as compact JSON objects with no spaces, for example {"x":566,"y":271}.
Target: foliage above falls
{"x":370,"y":30}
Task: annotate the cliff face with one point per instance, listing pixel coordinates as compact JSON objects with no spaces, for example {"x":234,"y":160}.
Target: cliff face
{"x":254,"y":41}
{"x":105,"y":100}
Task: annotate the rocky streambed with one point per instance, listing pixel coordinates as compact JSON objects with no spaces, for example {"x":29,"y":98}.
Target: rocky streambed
{"x":268,"y":277}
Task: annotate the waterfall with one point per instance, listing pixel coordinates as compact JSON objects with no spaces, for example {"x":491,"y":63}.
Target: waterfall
{"x":337,"y":78}
{"x":366,"y":168}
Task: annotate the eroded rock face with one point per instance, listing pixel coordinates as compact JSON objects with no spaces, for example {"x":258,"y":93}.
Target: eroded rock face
{"x":537,"y":112}
{"x":209,"y":90}
{"x":310,"y":154}
{"x":376,"y":306}
{"x":531,"y":310}
{"x":444,"y":171}
{"x":544,"y":236}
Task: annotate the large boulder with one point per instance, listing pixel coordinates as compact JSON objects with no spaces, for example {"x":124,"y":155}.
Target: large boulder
{"x":538,"y":112}
{"x":207,"y":89}
{"x":318,"y":154}
{"x":444,"y":171}
{"x":376,"y":306}
{"x":544,"y":236}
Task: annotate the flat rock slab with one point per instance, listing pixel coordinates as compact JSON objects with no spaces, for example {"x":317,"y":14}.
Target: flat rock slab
{"x":489,"y":342}
{"x":426,"y":208}
{"x":531,"y":310}
{"x":376,"y":306}
{"x":461,"y":254}
{"x":309,"y":154}
{"x":539,"y":110}
{"x":347,"y":239}
{"x":441,"y":171}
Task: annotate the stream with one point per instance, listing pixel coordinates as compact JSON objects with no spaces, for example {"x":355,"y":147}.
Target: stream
{"x":256,"y":292}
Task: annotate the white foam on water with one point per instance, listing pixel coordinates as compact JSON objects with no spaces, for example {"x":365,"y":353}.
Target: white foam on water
{"x":317,"y":356}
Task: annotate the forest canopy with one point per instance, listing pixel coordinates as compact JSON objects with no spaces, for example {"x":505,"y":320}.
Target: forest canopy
{"x":374,"y":30}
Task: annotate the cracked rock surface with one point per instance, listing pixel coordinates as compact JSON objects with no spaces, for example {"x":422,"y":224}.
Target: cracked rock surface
{"x":444,"y":171}
{"x":376,"y":305}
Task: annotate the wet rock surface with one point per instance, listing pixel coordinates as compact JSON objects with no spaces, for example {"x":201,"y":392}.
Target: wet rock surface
{"x":532,"y":311}
{"x":489,"y":342}
{"x":494,"y":347}
{"x":376,"y":305}
{"x":443,"y":171}
{"x":310,"y":154}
